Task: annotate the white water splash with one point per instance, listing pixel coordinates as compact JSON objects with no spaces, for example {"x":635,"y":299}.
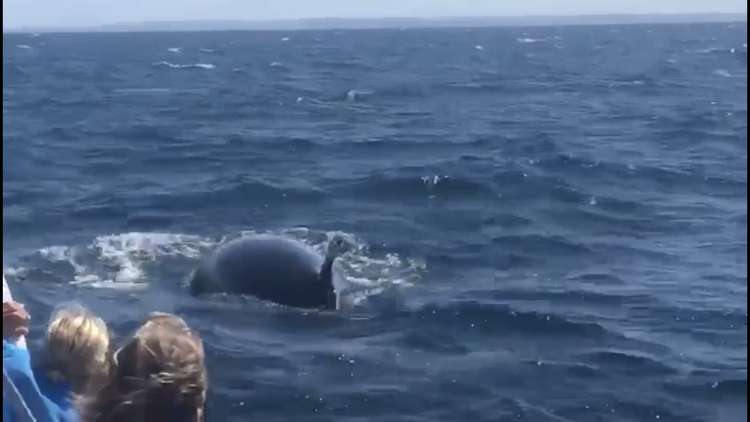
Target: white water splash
{"x":206,"y":66}
{"x":124,"y":261}
{"x":117,"y":261}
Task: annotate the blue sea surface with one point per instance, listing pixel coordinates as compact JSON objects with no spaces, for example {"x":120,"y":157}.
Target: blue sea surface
{"x":546,"y":224}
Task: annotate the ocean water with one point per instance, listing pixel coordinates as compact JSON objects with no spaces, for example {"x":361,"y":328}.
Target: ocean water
{"x":546,"y":224}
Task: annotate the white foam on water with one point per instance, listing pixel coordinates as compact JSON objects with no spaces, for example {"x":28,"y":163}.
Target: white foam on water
{"x":722,"y":72}
{"x":354,"y":94}
{"x":62,"y":254}
{"x":175,"y":50}
{"x":124,"y":261}
{"x":526,"y":40}
{"x":128,"y":251}
{"x":433,"y":180}
{"x":141,"y":90}
{"x":709,"y":50}
{"x":285,"y":39}
{"x":116,"y":286}
{"x":275,"y":64}
{"x":208,"y":50}
{"x":15,"y":271}
{"x":118,"y":261}
{"x":206,"y":66}
{"x":24,"y":47}
{"x":479,"y":47}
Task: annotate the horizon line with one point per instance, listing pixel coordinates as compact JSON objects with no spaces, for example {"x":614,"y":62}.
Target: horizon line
{"x":267,"y":24}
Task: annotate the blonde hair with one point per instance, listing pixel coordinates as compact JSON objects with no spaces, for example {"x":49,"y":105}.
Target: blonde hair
{"x":159,"y":375}
{"x":77,"y":347}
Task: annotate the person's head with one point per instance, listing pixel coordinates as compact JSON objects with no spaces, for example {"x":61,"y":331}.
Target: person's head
{"x":159,"y":375}
{"x":77,"y":347}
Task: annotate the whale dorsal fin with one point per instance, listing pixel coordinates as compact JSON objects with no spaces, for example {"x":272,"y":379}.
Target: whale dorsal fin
{"x":336,"y":247}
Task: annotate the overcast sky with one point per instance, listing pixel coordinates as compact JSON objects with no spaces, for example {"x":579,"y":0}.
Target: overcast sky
{"x":18,"y":13}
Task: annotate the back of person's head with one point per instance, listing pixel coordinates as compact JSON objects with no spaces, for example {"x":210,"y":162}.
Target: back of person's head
{"x":77,"y":348}
{"x":159,"y":375}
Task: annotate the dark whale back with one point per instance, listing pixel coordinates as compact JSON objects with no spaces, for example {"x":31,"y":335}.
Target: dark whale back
{"x":271,"y":268}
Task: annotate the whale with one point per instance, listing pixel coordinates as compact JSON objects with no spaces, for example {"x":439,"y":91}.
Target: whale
{"x":272,"y":268}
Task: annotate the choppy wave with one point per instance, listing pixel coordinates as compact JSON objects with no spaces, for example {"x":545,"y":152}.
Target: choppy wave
{"x":526,"y":40}
{"x":536,"y":234}
{"x":355,"y":94}
{"x":710,"y":50}
{"x":502,"y":319}
{"x":422,"y":187}
{"x":722,"y":72}
{"x":142,"y":90}
{"x":206,"y":66}
{"x":715,"y":387}
{"x":615,"y":360}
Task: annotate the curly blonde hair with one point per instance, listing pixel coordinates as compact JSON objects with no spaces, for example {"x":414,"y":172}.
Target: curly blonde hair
{"x":77,"y":347}
{"x":159,"y":375}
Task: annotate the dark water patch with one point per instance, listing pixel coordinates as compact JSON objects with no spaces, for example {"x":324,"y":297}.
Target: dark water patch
{"x":718,"y":390}
{"x":428,"y":341}
{"x":500,"y":319}
{"x":520,"y":185}
{"x":577,"y":297}
{"x":542,"y":245}
{"x":256,"y":192}
{"x":384,"y":187}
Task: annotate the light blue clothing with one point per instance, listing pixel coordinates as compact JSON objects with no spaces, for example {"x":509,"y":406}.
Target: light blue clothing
{"x":51,"y":406}
{"x":13,"y":403}
{"x":60,"y":393}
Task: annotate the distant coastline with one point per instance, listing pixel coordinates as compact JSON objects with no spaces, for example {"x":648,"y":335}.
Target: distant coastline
{"x":390,"y":23}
